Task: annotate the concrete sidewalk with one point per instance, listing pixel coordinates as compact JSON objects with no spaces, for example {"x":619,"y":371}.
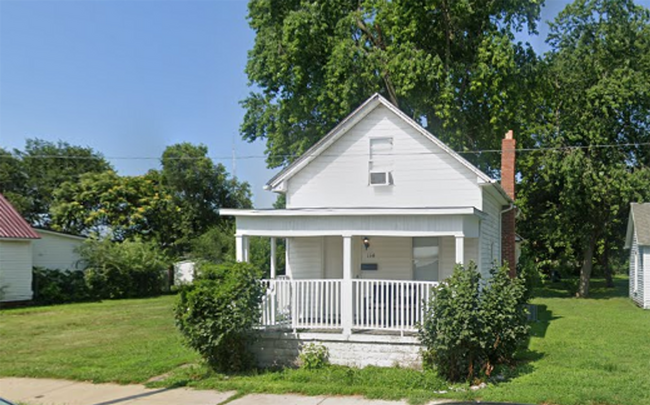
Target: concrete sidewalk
{"x":62,"y":392}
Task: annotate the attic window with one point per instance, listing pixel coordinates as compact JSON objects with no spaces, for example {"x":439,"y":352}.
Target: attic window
{"x":380,"y":166}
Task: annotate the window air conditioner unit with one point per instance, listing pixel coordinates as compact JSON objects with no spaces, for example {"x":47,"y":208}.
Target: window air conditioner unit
{"x":380,"y":178}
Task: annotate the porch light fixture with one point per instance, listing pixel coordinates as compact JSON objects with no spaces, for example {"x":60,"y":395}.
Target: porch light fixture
{"x":366,"y":242}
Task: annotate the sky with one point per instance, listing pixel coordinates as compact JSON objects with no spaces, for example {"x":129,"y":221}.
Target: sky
{"x":130,"y":77}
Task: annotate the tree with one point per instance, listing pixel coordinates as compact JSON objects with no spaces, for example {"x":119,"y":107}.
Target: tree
{"x":13,"y":180}
{"x":124,"y":206}
{"x":597,"y":92}
{"x":46,"y":165}
{"x":452,"y":65}
{"x":172,"y":207}
{"x":199,"y":188}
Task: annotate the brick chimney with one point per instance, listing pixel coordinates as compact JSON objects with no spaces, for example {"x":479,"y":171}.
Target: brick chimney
{"x":508,"y":218}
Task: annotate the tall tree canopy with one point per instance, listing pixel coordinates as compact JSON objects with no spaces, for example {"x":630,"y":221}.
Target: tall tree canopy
{"x":173,"y":206}
{"x":200,"y":187}
{"x":43,"y":167}
{"x":126,"y":206}
{"x":452,"y":65}
{"x":597,"y":92}
{"x":13,"y":180}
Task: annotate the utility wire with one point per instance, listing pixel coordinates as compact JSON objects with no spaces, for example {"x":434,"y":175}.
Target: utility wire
{"x":246,"y":157}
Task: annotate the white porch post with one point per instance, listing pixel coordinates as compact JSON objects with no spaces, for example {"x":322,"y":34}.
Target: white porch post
{"x":287,"y":262}
{"x":346,"y":286}
{"x":241,"y":248}
{"x":273,"y":251}
{"x":460,"y":250}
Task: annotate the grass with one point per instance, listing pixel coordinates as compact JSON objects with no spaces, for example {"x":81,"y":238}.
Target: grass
{"x":372,"y":382}
{"x":591,"y":351}
{"x":584,"y":351}
{"x":123,"y":341}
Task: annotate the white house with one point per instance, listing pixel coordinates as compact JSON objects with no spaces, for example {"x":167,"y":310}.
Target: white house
{"x":56,"y":250}
{"x":377,"y":212}
{"x":23,"y":247}
{"x":638,"y":241}
{"x":16,"y":237}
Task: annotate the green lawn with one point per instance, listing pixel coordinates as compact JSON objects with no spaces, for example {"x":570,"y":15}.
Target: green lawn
{"x":123,"y":341}
{"x":593,"y":351}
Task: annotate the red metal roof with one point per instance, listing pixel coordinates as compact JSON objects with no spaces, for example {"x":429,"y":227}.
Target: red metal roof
{"x":12,"y":225}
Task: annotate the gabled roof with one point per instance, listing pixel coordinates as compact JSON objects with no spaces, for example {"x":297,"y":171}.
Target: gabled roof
{"x":12,"y":225}
{"x":639,"y":223}
{"x":46,"y":231}
{"x":349,"y":122}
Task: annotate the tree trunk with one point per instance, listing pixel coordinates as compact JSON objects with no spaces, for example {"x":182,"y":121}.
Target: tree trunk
{"x":585,"y":271}
{"x":607,"y":271}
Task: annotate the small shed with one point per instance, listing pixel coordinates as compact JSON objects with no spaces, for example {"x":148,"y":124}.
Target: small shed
{"x":184,"y":272}
{"x":16,"y":237}
{"x":638,"y":241}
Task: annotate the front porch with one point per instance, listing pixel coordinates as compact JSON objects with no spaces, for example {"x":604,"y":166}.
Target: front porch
{"x":354,"y":271}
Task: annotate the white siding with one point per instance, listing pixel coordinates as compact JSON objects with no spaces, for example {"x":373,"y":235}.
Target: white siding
{"x":490,"y":234}
{"x":394,"y":258}
{"x":407,"y":225}
{"x":56,"y":252}
{"x":423,"y":174}
{"x":636,"y":274}
{"x":306,"y":257}
{"x":448,"y":254}
{"x":16,"y":270}
{"x":333,"y":257}
{"x":644,"y":281}
{"x":634,"y":250}
{"x":447,"y":257}
{"x":471,"y":251}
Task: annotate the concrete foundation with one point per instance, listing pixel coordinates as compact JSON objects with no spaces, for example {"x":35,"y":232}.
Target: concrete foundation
{"x":275,"y":349}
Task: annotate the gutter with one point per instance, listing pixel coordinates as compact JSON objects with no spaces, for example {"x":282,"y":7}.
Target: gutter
{"x":511,"y":207}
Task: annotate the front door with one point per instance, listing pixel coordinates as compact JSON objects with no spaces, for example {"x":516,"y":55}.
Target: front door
{"x":425,"y":259}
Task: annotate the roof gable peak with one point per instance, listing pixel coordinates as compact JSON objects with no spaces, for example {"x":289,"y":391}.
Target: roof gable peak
{"x":276,"y":182}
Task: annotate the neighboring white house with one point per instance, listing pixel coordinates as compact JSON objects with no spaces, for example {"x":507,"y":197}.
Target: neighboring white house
{"x":377,"y":212}
{"x":638,"y":241}
{"x":56,"y":250}
{"x":16,"y":237}
{"x":23,"y":247}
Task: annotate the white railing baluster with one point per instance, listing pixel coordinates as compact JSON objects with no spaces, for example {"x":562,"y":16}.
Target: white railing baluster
{"x":395,"y":305}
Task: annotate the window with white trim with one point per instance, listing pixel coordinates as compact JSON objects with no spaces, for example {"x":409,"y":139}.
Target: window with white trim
{"x":380,"y":166}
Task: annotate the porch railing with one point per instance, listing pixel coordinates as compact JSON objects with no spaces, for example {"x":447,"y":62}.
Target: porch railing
{"x":390,"y":304}
{"x":318,"y":304}
{"x":302,"y":304}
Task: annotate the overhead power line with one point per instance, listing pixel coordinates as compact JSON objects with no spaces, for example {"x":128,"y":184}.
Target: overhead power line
{"x":246,"y":157}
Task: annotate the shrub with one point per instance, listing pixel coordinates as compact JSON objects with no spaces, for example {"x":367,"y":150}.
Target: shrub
{"x":505,"y":317}
{"x":59,"y":286}
{"x":128,"y":269}
{"x":470,"y":328}
{"x":529,"y":271}
{"x":314,"y":356}
{"x":216,"y":245}
{"x":217,"y":314}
